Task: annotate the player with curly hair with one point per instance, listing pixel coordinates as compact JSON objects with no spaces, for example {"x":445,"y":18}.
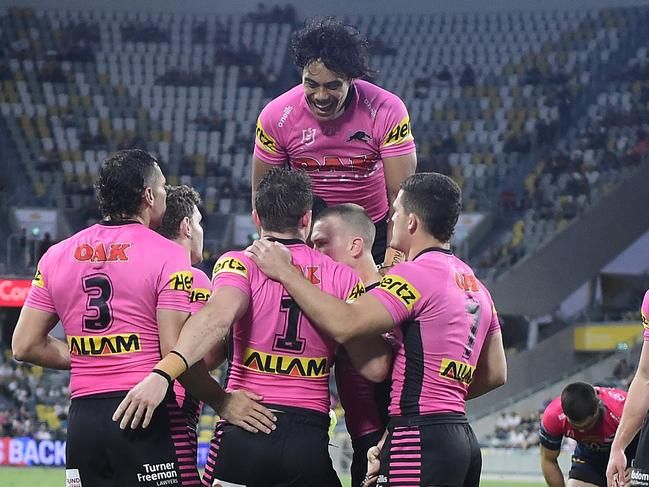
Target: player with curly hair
{"x":122,"y":293}
{"x":352,"y":137}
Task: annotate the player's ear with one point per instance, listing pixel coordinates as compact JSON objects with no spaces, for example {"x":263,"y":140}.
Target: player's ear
{"x":148,"y":196}
{"x":255,"y":219}
{"x":357,"y":247}
{"x":305,"y":221}
{"x":185,"y":227}
{"x":413,"y":223}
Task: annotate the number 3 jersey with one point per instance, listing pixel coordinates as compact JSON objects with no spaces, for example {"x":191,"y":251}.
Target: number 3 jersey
{"x":344,"y":156}
{"x":276,"y":352}
{"x":443,"y":316}
{"x":106,"y":283}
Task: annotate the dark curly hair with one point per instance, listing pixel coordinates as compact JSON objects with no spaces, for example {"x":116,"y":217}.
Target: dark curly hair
{"x":123,"y":177}
{"x":340,"y":47}
{"x":436,"y":199}
{"x":282,"y":198}
{"x":180,"y":204}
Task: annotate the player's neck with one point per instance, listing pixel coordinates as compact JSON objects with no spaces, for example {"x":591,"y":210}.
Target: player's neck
{"x":143,"y":219}
{"x":366,"y":270}
{"x":425,"y":242}
{"x":186,"y":244}
{"x":282,"y":235}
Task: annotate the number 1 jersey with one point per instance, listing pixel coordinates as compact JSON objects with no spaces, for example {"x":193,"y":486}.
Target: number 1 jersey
{"x":106,"y":283}
{"x":276,"y":352}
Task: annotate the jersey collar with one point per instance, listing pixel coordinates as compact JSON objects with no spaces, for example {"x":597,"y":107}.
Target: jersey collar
{"x":286,"y":241}
{"x":115,"y":223}
{"x":433,"y":249}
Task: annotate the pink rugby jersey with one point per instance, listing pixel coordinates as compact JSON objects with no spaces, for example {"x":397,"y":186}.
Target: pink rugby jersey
{"x":276,"y":352}
{"x":200,"y":294}
{"x":443,"y":315}
{"x":555,"y":425}
{"x":644,"y":312}
{"x":344,"y":157}
{"x":105,"y":283}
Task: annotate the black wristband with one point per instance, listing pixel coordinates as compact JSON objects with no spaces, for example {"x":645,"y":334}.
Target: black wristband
{"x":181,"y":356}
{"x":162,"y":373}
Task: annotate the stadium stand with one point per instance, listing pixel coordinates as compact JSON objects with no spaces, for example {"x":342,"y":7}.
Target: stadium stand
{"x":536,"y":115}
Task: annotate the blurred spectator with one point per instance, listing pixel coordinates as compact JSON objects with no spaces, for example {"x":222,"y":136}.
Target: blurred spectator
{"x":467,"y":77}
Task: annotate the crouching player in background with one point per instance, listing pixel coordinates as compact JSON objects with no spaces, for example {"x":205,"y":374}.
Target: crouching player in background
{"x":589,"y":415}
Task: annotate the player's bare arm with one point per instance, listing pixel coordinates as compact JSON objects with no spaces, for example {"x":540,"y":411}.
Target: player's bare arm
{"x":202,"y":332}
{"x":32,"y":342}
{"x":259,"y":168}
{"x":635,"y":410}
{"x":371,"y":356}
{"x":550,"y":467}
{"x":340,"y":320}
{"x":491,"y":369}
{"x":396,"y":170}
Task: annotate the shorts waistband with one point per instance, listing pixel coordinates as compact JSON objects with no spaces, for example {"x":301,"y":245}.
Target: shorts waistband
{"x":303,"y":415}
{"x":428,"y":419}
{"x":101,"y":395}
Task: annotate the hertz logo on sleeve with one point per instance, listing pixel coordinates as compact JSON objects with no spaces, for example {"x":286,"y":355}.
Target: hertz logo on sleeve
{"x":399,"y":134}
{"x":645,"y":322}
{"x":266,"y":141}
{"x":38,"y":278}
{"x":356,"y":292}
{"x":400,"y":289}
{"x":104,"y":345}
{"x":230,"y":264}
{"x":181,"y":281}
{"x":456,"y":370}
{"x":298,"y":367}
{"x":199,"y":294}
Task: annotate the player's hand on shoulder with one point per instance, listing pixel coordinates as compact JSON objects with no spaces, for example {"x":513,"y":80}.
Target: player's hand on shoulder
{"x":272,"y":258}
{"x":141,"y":401}
{"x":242,"y":409}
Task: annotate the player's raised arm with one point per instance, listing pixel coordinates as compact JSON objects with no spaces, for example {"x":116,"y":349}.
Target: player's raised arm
{"x":259,"y":169}
{"x":396,"y":169}
{"x":341,"y":320}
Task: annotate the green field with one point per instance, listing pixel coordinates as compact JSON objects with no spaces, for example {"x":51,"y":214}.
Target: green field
{"x":54,"y":477}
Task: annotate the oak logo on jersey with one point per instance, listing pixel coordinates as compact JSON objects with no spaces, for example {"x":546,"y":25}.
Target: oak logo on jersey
{"x":456,"y":370}
{"x":181,"y":281}
{"x":300,"y":367}
{"x":399,"y":134}
{"x":360,"y":136}
{"x":466,"y":282}
{"x":356,"y":292}
{"x":199,"y":294}
{"x":266,"y":141}
{"x":401,"y":289}
{"x":39,"y":282}
{"x":645,"y":322}
{"x":310,"y":272}
{"x":104,"y":345}
{"x":116,"y":252}
{"x":229,"y":264}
